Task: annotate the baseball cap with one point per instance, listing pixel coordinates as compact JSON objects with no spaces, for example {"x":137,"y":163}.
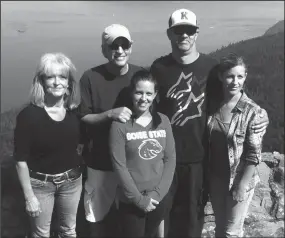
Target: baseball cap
{"x":114,"y":31}
{"x":182,"y":17}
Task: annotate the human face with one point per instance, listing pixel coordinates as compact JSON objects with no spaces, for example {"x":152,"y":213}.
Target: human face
{"x":56,"y":81}
{"x":233,"y":80}
{"x":182,"y":37}
{"x":143,"y":96}
{"x":119,"y":51}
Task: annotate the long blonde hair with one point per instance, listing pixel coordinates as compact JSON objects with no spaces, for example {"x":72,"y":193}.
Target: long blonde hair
{"x":37,"y":94}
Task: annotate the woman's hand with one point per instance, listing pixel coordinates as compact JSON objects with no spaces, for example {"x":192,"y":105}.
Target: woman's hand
{"x":33,"y":207}
{"x":32,"y":203}
{"x":152,"y":205}
{"x":239,"y":193}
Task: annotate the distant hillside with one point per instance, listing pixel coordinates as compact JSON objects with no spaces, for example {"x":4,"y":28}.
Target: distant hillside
{"x":265,"y":83}
{"x":7,"y":125}
{"x":278,"y":27}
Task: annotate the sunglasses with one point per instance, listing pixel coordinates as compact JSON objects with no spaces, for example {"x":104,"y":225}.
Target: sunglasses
{"x":125,"y":46}
{"x":180,"y":30}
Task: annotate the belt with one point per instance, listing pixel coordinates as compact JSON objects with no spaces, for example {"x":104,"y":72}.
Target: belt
{"x":57,"y":178}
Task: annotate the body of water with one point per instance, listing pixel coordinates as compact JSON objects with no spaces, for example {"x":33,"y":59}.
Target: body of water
{"x":32,"y":28}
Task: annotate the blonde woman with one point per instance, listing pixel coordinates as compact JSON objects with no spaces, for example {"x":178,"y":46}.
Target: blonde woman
{"x":46,"y":138}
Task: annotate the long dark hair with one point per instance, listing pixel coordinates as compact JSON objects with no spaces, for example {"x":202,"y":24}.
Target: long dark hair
{"x":214,"y":90}
{"x":145,"y":75}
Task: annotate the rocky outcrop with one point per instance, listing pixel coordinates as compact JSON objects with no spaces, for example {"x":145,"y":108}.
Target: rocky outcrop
{"x":265,"y":217}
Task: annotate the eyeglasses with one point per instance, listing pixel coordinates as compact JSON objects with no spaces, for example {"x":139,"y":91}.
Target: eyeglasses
{"x":180,"y":30}
{"x":125,"y":46}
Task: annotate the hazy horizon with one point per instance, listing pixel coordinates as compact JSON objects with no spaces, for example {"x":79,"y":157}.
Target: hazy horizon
{"x":30,"y":29}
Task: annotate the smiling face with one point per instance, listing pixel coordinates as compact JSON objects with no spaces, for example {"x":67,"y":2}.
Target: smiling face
{"x":233,"y":80}
{"x":55,"y":81}
{"x":183,"y":38}
{"x":143,"y":95}
{"x":118,"y":52}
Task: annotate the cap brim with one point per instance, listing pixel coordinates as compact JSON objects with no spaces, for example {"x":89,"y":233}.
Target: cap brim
{"x":184,"y":24}
{"x":123,"y":37}
{"x":111,"y":42}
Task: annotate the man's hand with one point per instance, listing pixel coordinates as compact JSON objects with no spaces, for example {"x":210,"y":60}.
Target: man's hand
{"x":33,"y":207}
{"x":122,"y":114}
{"x":152,"y":205}
{"x":262,"y":123}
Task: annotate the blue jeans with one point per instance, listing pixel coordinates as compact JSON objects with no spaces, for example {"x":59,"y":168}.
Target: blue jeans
{"x":65,"y":198}
{"x":229,"y":214}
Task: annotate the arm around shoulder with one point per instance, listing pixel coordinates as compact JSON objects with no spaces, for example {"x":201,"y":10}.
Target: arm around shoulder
{"x":95,"y":118}
{"x":253,"y":140}
{"x":261,"y":122}
{"x":86,"y":108}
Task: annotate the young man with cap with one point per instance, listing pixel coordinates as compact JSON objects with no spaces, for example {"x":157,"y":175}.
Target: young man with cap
{"x":100,"y":89}
{"x":182,"y":77}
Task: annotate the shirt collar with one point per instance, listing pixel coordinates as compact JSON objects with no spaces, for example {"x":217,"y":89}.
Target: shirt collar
{"x":241,"y":104}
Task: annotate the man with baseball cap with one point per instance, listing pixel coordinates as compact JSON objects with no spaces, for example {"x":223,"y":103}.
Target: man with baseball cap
{"x":100,"y":88}
{"x":182,"y":77}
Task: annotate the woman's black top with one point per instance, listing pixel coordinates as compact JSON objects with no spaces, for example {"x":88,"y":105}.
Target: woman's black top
{"x":48,"y":146}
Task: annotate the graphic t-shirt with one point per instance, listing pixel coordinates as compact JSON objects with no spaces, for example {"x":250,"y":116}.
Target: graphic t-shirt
{"x":144,"y":159}
{"x":102,"y":91}
{"x":182,"y":99}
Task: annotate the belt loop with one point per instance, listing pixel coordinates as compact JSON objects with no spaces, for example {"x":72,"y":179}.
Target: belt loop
{"x":46,"y":178}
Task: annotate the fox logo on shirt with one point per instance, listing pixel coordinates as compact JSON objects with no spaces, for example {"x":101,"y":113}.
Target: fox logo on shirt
{"x":188,"y":105}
